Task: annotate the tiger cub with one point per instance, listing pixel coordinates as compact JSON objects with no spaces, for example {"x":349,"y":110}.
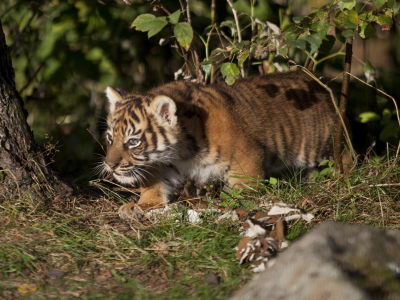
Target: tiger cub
{"x":259,"y":126}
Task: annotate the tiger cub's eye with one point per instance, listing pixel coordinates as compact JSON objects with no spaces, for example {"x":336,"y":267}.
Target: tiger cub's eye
{"x":109,"y":137}
{"x":133,"y":143}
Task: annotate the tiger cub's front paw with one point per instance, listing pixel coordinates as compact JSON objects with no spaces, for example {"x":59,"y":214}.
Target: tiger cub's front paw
{"x":131,"y":211}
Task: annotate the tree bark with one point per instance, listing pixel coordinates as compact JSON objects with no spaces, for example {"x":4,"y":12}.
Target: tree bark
{"x":25,"y":171}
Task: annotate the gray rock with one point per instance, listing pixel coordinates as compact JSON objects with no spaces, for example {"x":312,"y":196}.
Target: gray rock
{"x":333,"y":262}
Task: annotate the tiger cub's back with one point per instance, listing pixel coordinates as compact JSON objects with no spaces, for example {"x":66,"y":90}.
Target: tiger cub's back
{"x":289,"y":115}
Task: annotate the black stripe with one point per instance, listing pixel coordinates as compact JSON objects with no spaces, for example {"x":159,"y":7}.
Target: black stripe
{"x":226,"y":96}
{"x":271,"y":89}
{"x":132,"y":126}
{"x":162,"y":132}
{"x":134,"y":116}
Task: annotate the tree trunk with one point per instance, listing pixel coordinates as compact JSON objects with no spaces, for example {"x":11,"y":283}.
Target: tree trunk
{"x":25,"y":171}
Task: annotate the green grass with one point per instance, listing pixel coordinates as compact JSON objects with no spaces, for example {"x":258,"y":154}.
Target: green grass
{"x":103,"y":257}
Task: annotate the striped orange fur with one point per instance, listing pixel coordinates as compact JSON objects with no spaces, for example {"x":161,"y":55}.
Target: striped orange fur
{"x":259,"y":126}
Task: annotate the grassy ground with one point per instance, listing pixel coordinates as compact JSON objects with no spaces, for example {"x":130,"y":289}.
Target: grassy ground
{"x":79,"y":248}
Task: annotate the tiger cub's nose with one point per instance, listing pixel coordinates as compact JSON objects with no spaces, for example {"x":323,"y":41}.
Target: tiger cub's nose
{"x":112,"y":165}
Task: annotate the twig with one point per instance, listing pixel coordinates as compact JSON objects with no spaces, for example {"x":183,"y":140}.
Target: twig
{"x":164,"y":9}
{"x":96,"y":140}
{"x":238,"y":30}
{"x":182,"y":6}
{"x":33,"y":77}
{"x":14,"y":46}
{"x":199,"y":73}
{"x":212,"y":12}
{"x":342,"y":104}
{"x":202,"y":227}
{"x":394,"y":102}
{"x":10,"y":8}
{"x":384,"y":184}
{"x":336,"y":108}
{"x":188,"y":12}
{"x":11,"y":263}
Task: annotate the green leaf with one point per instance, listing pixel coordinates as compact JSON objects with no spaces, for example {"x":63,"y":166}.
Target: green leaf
{"x":385,"y":21}
{"x":327,"y":44}
{"x":230,"y":71}
{"x":322,"y":29}
{"x":184,"y":34}
{"x":369,"y":16}
{"x":298,"y":19}
{"x":396,"y":8}
{"x":207,"y":68}
{"x":368,"y":67}
{"x":391,"y":3}
{"x":326,"y":171}
{"x":339,"y":35}
{"x":243,"y":57}
{"x":348,"y":33}
{"x":231,"y":25}
{"x":230,"y":80}
{"x":366,"y":30}
{"x":283,"y":51}
{"x":296,"y":43}
{"x":368,"y":116}
{"x":174,"y":18}
{"x":349,"y":25}
{"x":379,"y":3}
{"x":273,"y":180}
{"x":239,"y":45}
{"x":322,"y":15}
{"x":347,"y":15}
{"x":314,"y":41}
{"x":150,"y":23}
{"x":346,"y":4}
{"x":324,"y":162}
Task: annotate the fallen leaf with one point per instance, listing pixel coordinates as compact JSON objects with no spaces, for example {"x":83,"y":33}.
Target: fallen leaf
{"x":27,"y":287}
{"x":232,"y":215}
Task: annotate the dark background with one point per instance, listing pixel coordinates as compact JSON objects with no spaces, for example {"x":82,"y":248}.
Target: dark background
{"x":65,"y":53}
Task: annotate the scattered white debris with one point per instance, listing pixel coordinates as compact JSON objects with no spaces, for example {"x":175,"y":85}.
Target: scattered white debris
{"x":168,"y":211}
{"x":177,"y":73}
{"x":232,"y":215}
{"x":283,"y":208}
{"x":192,"y":216}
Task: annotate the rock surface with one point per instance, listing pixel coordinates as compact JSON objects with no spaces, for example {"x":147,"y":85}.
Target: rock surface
{"x":333,"y":262}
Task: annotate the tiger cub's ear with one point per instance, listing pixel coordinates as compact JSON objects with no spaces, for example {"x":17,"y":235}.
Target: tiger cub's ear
{"x":113,"y":98}
{"x":164,"y":109}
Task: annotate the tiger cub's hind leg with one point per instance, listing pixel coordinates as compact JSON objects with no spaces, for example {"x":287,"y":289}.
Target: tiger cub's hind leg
{"x":245,"y":170}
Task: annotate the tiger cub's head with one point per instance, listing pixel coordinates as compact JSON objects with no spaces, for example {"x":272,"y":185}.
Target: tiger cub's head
{"x":142,"y":133}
